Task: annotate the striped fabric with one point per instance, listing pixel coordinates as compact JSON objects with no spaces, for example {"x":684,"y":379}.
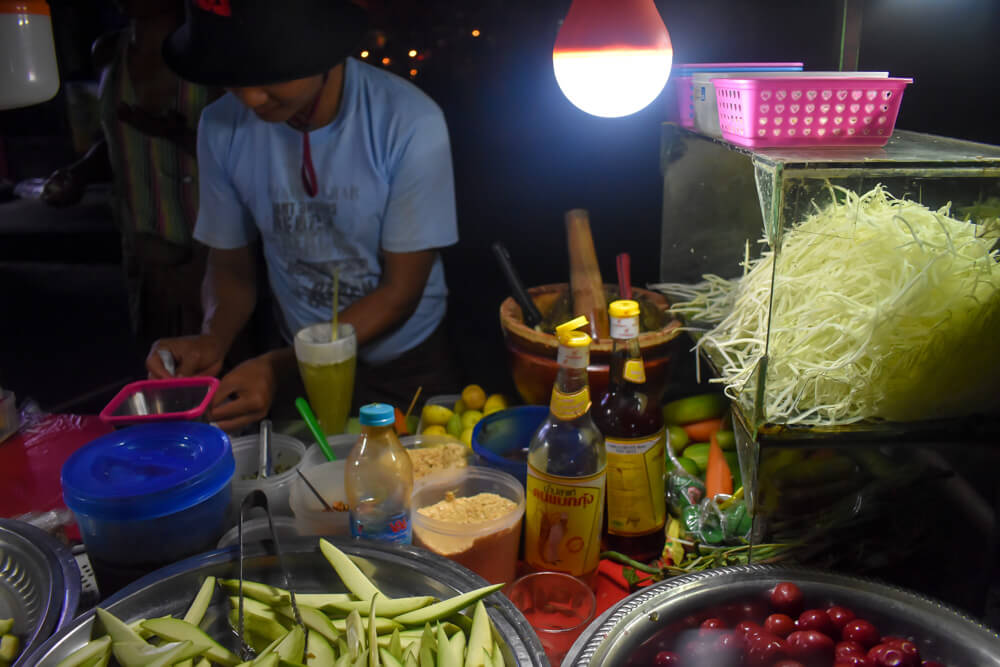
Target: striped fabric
{"x":155,"y":181}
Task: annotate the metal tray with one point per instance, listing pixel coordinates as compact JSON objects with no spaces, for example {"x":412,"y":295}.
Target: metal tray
{"x":942,"y":632}
{"x":39,"y":584}
{"x":397,"y":570}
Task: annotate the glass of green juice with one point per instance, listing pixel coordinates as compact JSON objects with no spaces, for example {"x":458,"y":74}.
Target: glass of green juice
{"x":327,"y":369}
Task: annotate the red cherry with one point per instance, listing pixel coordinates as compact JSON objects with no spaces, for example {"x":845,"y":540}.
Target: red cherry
{"x":840,"y":616}
{"x":816,"y":619}
{"x":745,"y":628}
{"x":891,"y":655}
{"x":712,"y":624}
{"x":666,"y":659}
{"x":860,"y":631}
{"x":780,"y":624}
{"x":809,"y":645}
{"x":763,"y":648}
{"x":848,"y":648}
{"x":786,"y":598}
{"x":854,"y":661}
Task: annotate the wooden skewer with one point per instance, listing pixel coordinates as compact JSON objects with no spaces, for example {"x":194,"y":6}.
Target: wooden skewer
{"x":416,"y":395}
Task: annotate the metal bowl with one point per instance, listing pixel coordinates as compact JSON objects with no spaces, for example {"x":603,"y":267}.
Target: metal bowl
{"x":39,"y":584}
{"x":629,"y":630}
{"x":396,"y":570}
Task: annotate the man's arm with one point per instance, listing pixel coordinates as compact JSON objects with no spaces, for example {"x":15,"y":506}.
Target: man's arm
{"x":404,"y":276}
{"x":228,"y":293}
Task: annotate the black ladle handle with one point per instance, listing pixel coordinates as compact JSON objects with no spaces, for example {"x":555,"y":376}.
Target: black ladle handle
{"x":531,"y":315}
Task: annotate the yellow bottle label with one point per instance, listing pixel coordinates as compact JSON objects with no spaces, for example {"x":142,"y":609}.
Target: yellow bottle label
{"x":570,"y":406}
{"x":636,"y":494}
{"x":635,"y":371}
{"x":563,"y":522}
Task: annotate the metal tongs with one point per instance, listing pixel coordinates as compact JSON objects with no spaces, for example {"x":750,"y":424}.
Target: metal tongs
{"x":258,"y":498}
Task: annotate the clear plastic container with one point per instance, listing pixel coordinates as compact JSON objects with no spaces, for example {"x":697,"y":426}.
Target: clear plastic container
{"x":287,"y":454}
{"x":257,"y":530}
{"x":311,"y":518}
{"x":488,"y":548}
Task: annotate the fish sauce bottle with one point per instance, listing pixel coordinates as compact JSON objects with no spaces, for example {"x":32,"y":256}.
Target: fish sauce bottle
{"x":631,"y":419}
{"x":378,"y":479}
{"x":566,"y":461}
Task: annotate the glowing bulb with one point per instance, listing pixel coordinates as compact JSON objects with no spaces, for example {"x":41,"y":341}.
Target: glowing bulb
{"x":476,"y":33}
{"x":364,"y":54}
{"x":612,"y":57}
{"x":386,"y":61}
{"x":412,"y":53}
{"x":413,"y":72}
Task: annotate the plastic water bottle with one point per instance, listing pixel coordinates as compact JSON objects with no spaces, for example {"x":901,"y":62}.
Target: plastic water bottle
{"x":378,"y":479}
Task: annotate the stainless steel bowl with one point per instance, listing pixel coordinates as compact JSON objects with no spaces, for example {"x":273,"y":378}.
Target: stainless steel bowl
{"x":630,"y":628}
{"x":397,"y":570}
{"x":39,"y":584}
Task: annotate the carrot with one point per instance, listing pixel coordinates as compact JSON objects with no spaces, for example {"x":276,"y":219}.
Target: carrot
{"x":700,"y":431}
{"x":718,"y":477}
{"x":400,"y":424}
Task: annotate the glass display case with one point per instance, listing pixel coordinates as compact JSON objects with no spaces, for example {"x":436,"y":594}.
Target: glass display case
{"x":849,"y":301}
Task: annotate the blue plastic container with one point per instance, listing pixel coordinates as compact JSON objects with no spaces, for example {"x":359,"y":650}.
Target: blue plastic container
{"x":149,"y":495}
{"x":501,"y":440}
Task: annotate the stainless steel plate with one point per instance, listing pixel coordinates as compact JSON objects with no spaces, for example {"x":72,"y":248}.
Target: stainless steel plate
{"x":398,"y":571}
{"x":942,"y":633}
{"x":39,"y":584}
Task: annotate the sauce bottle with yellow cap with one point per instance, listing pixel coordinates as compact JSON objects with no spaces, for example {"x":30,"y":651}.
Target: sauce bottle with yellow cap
{"x":566,"y":461}
{"x":631,"y":420}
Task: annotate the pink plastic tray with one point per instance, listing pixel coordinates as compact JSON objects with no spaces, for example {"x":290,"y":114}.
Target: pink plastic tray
{"x":812,"y":112}
{"x":174,"y":399}
{"x":682,"y":81}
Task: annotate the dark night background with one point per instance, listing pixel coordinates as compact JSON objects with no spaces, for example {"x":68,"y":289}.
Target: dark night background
{"x":523,"y":155}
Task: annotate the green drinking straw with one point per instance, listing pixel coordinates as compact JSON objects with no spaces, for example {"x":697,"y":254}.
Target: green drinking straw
{"x":336,"y":293}
{"x":307,"y":414}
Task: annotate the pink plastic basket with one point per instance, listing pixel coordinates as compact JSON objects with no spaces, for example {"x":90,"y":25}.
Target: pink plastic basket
{"x":805,"y":111}
{"x":684,"y":74}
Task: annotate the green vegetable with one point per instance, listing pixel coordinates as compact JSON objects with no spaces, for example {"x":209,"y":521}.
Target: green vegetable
{"x":447,"y":607}
{"x":695,"y":408}
{"x":698,"y":453}
{"x":174,"y":629}
{"x":734,"y":467}
{"x":726,"y":440}
{"x":677,"y":438}
{"x":90,"y":650}
{"x":6,"y":625}
{"x":9,"y":647}
{"x":689,"y":465}
{"x":352,"y":576}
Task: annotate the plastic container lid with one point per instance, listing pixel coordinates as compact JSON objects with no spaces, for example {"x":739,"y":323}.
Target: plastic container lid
{"x":377,"y":414}
{"x":148,"y":471}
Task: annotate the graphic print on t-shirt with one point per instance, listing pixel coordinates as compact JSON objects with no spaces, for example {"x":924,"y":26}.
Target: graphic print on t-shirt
{"x":311,"y":245}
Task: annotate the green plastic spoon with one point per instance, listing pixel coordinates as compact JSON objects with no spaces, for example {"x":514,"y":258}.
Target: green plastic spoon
{"x":307,"y":414}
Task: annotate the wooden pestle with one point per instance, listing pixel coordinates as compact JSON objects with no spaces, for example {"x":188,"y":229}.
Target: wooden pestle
{"x":586,"y":287}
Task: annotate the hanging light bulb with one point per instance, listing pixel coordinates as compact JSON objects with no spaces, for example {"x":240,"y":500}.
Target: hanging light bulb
{"x":28,"y":71}
{"x":612,"y":57}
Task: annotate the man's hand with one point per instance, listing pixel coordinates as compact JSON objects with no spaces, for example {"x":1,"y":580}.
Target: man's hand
{"x":63,"y":188}
{"x":193,"y":356}
{"x":244,"y":395}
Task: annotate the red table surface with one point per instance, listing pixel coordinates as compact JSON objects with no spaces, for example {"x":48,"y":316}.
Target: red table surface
{"x":31,"y":461}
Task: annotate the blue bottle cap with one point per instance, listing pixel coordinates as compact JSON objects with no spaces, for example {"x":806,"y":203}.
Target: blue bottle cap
{"x":148,"y":471}
{"x":377,"y":414}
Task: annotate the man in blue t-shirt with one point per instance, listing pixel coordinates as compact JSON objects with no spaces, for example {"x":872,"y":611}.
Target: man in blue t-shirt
{"x":337,"y":167}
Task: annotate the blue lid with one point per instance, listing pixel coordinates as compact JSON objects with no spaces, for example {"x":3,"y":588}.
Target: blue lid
{"x":377,"y":414}
{"x":148,"y":471}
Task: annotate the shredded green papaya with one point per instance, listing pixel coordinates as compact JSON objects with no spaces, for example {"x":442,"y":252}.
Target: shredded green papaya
{"x":880,"y":308}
